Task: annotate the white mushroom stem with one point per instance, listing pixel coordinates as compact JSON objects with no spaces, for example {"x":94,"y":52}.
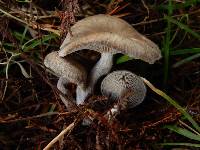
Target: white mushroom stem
{"x":112,"y":112}
{"x":61,"y":86}
{"x":81,"y":93}
{"x":102,"y":67}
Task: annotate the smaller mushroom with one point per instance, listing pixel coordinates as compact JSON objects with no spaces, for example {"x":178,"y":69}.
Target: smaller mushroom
{"x":119,"y":83}
{"x":68,"y":71}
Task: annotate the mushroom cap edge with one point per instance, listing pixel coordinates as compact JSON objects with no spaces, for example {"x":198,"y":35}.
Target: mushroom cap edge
{"x":134,"y":44}
{"x":66,"y":68}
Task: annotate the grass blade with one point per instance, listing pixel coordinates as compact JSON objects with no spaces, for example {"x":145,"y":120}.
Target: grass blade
{"x":182,"y":26}
{"x":24,"y":35}
{"x":123,"y":59}
{"x":167,"y":43}
{"x":185,"y":51}
{"x":174,"y":103}
{"x":185,"y":4}
{"x":179,"y":63}
{"x":37,"y":42}
{"x":23,"y":71}
{"x":184,"y":132}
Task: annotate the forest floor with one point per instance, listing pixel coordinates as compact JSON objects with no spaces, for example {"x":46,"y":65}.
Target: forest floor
{"x":31,"y":112}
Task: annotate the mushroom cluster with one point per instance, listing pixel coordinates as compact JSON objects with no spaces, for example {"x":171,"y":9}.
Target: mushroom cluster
{"x":107,"y":35}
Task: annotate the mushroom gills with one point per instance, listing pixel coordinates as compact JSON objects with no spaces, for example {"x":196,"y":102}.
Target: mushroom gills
{"x":124,"y":86}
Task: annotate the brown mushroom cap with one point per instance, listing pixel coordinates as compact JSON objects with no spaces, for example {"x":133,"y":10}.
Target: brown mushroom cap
{"x":119,"y":83}
{"x":104,"y":33}
{"x":66,"y":68}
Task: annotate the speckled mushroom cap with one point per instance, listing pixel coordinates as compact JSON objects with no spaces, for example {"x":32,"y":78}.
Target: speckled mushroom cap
{"x":119,"y":83}
{"x":105,"y":33}
{"x":66,"y":68}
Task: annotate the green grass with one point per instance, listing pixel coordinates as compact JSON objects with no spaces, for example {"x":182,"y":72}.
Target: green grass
{"x":183,"y":26}
{"x":184,"y":132}
{"x":175,"y":6}
{"x":123,"y":59}
{"x":32,"y":43}
{"x":13,"y":52}
{"x":167,"y":42}
{"x":175,"y":104}
{"x":186,"y":60}
{"x":185,"y":51}
{"x":192,"y":133}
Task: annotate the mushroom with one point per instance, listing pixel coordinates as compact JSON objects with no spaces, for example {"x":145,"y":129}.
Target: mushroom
{"x":108,"y":35}
{"x":67,"y":70}
{"x":124,"y":86}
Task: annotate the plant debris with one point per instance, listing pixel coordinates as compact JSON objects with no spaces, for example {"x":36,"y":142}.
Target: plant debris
{"x":32,"y":114}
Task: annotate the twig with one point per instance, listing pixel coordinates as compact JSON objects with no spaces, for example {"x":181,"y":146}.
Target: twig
{"x":30,"y":24}
{"x":160,"y":19}
{"x":33,"y":117}
{"x":61,"y":135}
{"x":145,"y":6}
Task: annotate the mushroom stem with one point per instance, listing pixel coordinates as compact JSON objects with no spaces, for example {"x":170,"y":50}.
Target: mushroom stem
{"x":112,"y":112}
{"x":81,"y":93}
{"x":61,"y":86}
{"x":102,"y":67}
